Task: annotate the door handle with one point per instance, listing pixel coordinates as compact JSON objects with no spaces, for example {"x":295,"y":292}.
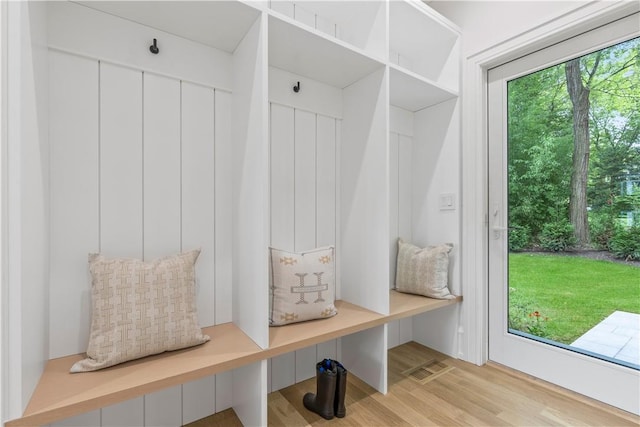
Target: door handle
{"x":497,"y":231}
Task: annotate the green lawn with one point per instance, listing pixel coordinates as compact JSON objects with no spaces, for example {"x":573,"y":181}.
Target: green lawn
{"x":570,"y":294}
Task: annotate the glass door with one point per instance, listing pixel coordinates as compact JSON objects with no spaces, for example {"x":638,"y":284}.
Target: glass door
{"x":564,"y":214}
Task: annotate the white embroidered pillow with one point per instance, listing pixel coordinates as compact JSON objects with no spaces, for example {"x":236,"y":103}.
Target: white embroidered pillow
{"x":140,"y":308}
{"x":423,"y":271}
{"x":302,"y":286}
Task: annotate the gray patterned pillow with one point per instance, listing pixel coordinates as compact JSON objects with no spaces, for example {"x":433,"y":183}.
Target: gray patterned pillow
{"x":302,"y":286}
{"x":423,"y":271}
{"x":140,"y":308}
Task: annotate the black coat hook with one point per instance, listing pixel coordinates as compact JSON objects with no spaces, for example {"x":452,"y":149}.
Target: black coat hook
{"x":154,"y":47}
{"x":296,"y":88}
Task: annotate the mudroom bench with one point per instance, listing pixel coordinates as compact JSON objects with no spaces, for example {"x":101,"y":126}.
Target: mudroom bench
{"x":61,"y":395}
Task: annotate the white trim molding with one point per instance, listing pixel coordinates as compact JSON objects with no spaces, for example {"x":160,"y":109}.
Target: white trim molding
{"x":3,"y":211}
{"x":474,"y":332}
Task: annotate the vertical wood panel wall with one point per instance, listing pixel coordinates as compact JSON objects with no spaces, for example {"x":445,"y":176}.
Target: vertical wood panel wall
{"x":303,"y":153}
{"x":400,"y":191}
{"x":134,"y":168}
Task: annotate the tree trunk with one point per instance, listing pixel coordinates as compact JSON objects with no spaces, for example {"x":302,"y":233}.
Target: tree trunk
{"x":579,"y":95}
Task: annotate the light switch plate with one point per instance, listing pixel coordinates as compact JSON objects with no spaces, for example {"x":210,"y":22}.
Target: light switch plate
{"x":447,"y":201}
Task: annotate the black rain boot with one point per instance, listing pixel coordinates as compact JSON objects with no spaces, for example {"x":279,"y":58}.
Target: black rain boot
{"x":322,"y":402}
{"x":339,"y":409}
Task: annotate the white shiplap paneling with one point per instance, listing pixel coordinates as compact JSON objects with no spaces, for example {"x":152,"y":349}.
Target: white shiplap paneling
{"x":89,"y":419}
{"x":326,"y":184}
{"x":305,"y":180}
{"x":120,"y":161}
{"x":198,"y":399}
{"x":198,"y":224}
{"x":393,"y":207}
{"x":163,"y":408}
{"x":198,"y":191}
{"x":161,"y":148}
{"x":126,"y":414}
{"x":224,"y":390}
{"x":305,"y":212}
{"x":405,"y":187}
{"x":283,"y":371}
{"x":282,"y":177}
{"x":282,"y":150}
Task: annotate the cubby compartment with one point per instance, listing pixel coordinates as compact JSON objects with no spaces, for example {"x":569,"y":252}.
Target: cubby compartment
{"x":279,"y":124}
{"x":424,"y":166}
{"x":142,"y":151}
{"x":359,"y":24}
{"x":328,"y":106}
{"x":423,"y":42}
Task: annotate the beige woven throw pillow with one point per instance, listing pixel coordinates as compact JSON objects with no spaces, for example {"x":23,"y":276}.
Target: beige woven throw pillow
{"x":302,"y":286}
{"x":423,"y":271}
{"x":140,"y":308}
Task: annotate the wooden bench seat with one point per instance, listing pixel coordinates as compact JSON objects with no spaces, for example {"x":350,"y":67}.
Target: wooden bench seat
{"x":61,"y":395}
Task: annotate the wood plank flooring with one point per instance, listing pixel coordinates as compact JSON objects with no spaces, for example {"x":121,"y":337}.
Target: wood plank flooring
{"x":447,"y":393}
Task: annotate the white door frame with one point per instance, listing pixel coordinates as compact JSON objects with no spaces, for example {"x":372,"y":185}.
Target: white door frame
{"x":602,"y":380}
{"x":474,"y":313}
{"x":3,"y":144}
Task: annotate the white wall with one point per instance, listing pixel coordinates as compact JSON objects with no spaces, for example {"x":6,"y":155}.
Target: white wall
{"x":487,"y":23}
{"x":3,"y":215}
{"x":495,"y":32}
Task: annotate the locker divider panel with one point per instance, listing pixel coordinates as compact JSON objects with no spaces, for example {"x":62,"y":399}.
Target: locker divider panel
{"x":364,"y":196}
{"x":73,"y":138}
{"x":223,"y":208}
{"x":250,"y":185}
{"x":250,"y":393}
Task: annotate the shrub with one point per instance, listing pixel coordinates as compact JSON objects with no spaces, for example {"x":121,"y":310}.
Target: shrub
{"x":519,"y":238}
{"x":602,"y":229}
{"x":625,"y":243}
{"x":557,"y":236}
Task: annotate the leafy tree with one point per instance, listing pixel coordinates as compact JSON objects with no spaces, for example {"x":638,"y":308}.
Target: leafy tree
{"x":607,"y":71}
{"x":574,"y":137}
{"x":539,"y":135}
{"x":579,"y":93}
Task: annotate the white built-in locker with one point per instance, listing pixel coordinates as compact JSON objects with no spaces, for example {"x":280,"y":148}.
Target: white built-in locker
{"x":207,"y":145}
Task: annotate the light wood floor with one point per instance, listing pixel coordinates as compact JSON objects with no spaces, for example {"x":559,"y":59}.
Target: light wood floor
{"x":445,"y":392}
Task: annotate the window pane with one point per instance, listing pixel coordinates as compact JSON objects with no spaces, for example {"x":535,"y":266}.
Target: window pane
{"x":574,"y":204}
